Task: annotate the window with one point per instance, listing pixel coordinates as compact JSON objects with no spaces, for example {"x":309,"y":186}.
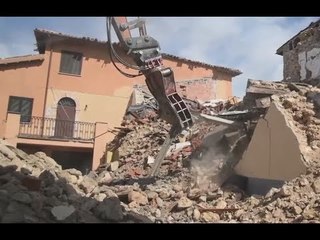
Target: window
{"x":71,"y":62}
{"x":21,"y":106}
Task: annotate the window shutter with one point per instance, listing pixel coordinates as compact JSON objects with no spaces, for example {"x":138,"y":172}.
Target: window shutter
{"x":14,"y":105}
{"x":25,"y":106}
{"x":71,"y":62}
{"x":66,"y":63}
{"x":26,"y":110}
{"x":21,"y":105}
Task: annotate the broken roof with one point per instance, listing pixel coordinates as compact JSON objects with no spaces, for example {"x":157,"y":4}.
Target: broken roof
{"x":19,"y":59}
{"x":43,"y":35}
{"x":311,"y":25}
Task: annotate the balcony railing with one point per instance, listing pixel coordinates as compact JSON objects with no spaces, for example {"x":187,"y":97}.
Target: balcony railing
{"x":54,"y":129}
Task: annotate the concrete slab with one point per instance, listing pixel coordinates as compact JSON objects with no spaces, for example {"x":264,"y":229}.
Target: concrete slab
{"x":274,"y":151}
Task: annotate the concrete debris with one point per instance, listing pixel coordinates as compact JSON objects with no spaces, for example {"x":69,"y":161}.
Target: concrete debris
{"x":139,"y":141}
{"x":150,"y":160}
{"x":154,"y":201}
{"x":104,"y":178}
{"x":140,"y":198}
{"x":196,"y":214}
{"x":184,"y":203}
{"x":22,"y":197}
{"x":110,"y":209}
{"x":210,"y":217}
{"x":151,"y":195}
{"x":282,"y":204}
{"x":88,"y":184}
{"x":221,"y":204}
{"x":316,"y":186}
{"x":62,"y":212}
{"x":114,"y":166}
{"x":34,"y":188}
{"x":159,"y":202}
{"x":48,"y":194}
{"x":213,"y":107}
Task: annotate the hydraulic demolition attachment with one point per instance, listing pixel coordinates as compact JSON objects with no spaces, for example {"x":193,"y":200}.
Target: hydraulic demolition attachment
{"x":145,"y":52}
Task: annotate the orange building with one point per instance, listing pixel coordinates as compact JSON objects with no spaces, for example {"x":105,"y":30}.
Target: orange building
{"x":64,"y":100}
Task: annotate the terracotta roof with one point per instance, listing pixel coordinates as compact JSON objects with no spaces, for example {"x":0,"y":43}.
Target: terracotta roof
{"x":280,"y":49}
{"x":42,"y":35}
{"x":49,"y":32}
{"x":19,"y":59}
{"x":233,"y":72}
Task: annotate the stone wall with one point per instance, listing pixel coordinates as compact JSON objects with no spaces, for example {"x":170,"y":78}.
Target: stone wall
{"x":301,"y":56}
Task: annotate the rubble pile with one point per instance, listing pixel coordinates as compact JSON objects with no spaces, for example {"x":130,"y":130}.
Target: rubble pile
{"x":145,"y":104}
{"x":303,"y":112}
{"x":143,"y":139}
{"x":139,"y":142}
{"x":213,"y":107}
{"x":33,"y":188}
{"x":296,"y":201}
{"x":299,"y":103}
{"x":174,"y":199}
{"x":177,"y":198}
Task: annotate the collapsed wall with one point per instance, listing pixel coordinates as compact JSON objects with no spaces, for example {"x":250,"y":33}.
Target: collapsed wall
{"x":303,"y":116}
{"x":285,"y":142}
{"x":274,"y":151}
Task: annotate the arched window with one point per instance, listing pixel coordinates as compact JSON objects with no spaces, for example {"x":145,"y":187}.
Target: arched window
{"x":66,"y":101}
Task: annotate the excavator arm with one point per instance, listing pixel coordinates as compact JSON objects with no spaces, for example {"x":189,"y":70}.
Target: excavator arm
{"x":145,"y":52}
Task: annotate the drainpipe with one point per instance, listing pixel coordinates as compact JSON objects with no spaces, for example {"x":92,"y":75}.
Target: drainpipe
{"x":46,"y":89}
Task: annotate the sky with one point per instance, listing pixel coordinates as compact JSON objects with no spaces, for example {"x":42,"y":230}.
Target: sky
{"x":245,"y":43}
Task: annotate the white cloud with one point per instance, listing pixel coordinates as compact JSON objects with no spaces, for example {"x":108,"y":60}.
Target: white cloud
{"x":246,"y":43}
{"x":3,"y":50}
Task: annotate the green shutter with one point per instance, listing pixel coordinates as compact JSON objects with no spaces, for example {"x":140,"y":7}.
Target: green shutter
{"x":14,"y":105}
{"x":26,"y":110}
{"x":71,"y":63}
{"x":21,"y":105}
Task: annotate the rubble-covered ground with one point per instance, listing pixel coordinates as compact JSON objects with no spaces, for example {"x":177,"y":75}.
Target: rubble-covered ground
{"x":33,"y":188}
{"x":177,"y":196}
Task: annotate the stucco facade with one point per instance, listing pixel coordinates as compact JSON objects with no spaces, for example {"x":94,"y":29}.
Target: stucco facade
{"x":100,"y":93}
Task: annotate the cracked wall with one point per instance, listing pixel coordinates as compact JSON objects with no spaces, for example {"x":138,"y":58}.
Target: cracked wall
{"x":309,"y":62}
{"x":301,"y":56}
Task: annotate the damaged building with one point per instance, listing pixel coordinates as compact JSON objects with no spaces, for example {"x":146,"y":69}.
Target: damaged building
{"x":67,"y":99}
{"x":264,"y":162}
{"x":250,"y":161}
{"x":301,"y":55}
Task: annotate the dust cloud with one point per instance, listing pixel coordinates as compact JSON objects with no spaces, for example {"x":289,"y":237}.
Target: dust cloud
{"x":205,"y":168}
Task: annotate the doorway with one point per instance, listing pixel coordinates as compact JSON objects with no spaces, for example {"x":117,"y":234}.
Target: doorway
{"x":66,"y":113}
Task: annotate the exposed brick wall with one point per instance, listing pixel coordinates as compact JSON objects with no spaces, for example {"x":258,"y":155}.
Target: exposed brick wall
{"x":202,"y":89}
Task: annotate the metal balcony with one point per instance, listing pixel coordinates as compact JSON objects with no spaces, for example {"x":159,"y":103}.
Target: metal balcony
{"x":54,"y":129}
